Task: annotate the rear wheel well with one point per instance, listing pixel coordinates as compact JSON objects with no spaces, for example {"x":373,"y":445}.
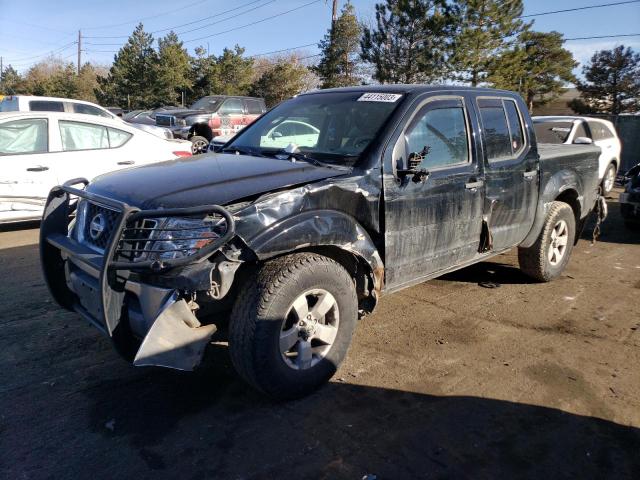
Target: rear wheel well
{"x":201,"y":130}
{"x":570,"y":197}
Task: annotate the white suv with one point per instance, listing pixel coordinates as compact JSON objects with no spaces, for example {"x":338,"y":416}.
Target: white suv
{"x":568,"y":130}
{"x":30,"y":103}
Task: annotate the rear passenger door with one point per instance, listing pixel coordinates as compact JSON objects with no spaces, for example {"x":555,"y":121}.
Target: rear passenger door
{"x":433,"y":224}
{"x":511,"y":170}
{"x":231,"y":116}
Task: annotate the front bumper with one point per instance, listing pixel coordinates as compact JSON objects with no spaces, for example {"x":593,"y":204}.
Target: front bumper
{"x":108,"y":290}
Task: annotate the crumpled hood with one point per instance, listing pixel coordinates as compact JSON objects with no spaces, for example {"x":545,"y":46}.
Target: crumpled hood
{"x":211,"y":179}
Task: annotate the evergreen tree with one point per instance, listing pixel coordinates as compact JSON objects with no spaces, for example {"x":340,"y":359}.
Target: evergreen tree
{"x":87,"y":81}
{"x":133,"y":75}
{"x":612,"y":83}
{"x":409,"y":40}
{"x":173,"y":70}
{"x":485,"y":29}
{"x":280,"y":81}
{"x":51,"y":77}
{"x":202,"y":71}
{"x":537,"y":67}
{"x":339,"y":63}
{"x":232,"y":74}
{"x":12,"y":82}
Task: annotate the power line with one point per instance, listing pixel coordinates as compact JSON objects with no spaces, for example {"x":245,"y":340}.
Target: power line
{"x":283,"y":50}
{"x":603,"y":36}
{"x":42,"y":55}
{"x":578,"y":8}
{"x":184,"y":24}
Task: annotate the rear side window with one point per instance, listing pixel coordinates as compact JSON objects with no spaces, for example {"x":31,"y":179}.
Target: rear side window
{"x":82,"y":136}
{"x":254,"y":106}
{"x":89,"y":110}
{"x":117,"y":138}
{"x":503,"y":130}
{"x":232,"y":106}
{"x":440,"y":133}
{"x":24,"y":136}
{"x":45,"y":106}
{"x":552,"y":132}
{"x":599,"y":131}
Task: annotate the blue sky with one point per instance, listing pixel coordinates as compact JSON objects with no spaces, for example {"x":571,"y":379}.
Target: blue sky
{"x":30,"y":29}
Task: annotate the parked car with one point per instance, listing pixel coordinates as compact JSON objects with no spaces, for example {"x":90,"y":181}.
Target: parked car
{"x":403,"y":184}
{"x":210,"y":117}
{"x":630,"y":198}
{"x":146,"y":117}
{"x":577,"y":130}
{"x":39,"y":150}
{"x":117,"y":111}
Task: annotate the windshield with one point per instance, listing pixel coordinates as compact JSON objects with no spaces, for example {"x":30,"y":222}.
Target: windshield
{"x":552,"y":132}
{"x":9,"y":104}
{"x":207,"y":103}
{"x":334,"y":127}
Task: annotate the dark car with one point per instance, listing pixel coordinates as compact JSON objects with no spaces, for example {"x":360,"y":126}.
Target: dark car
{"x":630,"y":198}
{"x":305,"y":218}
{"x":146,"y":117}
{"x":211,"y":117}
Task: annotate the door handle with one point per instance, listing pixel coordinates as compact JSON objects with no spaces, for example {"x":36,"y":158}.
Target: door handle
{"x":473,"y":185}
{"x":39,"y":168}
{"x":126,"y":162}
{"x":530,"y":174}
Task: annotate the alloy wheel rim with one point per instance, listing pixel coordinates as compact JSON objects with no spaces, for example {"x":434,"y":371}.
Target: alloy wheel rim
{"x":199,"y":147}
{"x":559,"y":242}
{"x":608,"y":181}
{"x":309,"y":329}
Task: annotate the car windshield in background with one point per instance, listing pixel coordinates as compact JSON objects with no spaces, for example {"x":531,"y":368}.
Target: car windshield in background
{"x":207,"y":103}
{"x":9,"y":104}
{"x":333,"y":127}
{"x":552,"y":132}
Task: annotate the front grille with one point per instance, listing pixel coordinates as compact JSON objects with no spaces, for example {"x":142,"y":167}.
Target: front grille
{"x":165,"y":120}
{"x":99,"y":225}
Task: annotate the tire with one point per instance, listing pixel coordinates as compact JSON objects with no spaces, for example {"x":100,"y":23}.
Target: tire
{"x":199,"y":144}
{"x":264,"y":312}
{"x":538,"y":261}
{"x":609,"y":179}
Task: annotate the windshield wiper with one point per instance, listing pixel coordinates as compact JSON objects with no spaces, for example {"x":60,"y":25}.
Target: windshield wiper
{"x":243,"y":151}
{"x":283,"y":154}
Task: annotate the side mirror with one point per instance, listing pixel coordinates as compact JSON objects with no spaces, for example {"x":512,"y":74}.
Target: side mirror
{"x":275,"y":135}
{"x":413,"y":166}
{"x":582,"y":141}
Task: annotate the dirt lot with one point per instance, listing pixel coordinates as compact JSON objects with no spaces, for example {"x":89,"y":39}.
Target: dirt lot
{"x":446,"y":380}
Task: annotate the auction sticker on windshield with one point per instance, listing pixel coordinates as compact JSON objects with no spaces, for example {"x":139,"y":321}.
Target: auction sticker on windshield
{"x":379,"y":97}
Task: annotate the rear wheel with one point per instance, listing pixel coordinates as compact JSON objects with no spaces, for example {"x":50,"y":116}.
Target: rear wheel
{"x":549,"y":255}
{"x":609,"y":179}
{"x":292,"y":324}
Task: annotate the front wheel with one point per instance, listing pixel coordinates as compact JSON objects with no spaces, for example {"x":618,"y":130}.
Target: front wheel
{"x":292,"y":323}
{"x":199,"y":144}
{"x":549,"y":255}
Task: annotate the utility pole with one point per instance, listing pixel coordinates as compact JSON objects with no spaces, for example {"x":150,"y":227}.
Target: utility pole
{"x":79,"y":50}
{"x":334,"y":14}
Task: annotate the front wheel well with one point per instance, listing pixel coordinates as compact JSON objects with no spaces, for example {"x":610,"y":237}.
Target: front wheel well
{"x":201,"y":130}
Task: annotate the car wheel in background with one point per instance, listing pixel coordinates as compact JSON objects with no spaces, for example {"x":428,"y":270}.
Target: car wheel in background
{"x":199,"y":144}
{"x":549,"y":255}
{"x":609,"y":179}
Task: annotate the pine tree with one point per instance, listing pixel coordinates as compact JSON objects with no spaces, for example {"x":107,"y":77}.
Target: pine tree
{"x":339,"y":63}
{"x":612,"y":83}
{"x":231,"y":73}
{"x":537,"y":67}
{"x":173,"y":69}
{"x":279,"y":81}
{"x":12,"y":82}
{"x":485,"y":29}
{"x":409,"y":40}
{"x":133,"y":76}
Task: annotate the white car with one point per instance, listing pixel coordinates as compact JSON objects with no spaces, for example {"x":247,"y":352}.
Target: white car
{"x":39,"y":150}
{"x":568,"y":130}
{"x":32,"y":103}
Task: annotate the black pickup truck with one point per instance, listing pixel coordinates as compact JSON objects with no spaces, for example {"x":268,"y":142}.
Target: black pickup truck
{"x":296,"y":228}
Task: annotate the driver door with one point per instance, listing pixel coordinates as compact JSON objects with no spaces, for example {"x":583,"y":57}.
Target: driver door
{"x":434,"y":222}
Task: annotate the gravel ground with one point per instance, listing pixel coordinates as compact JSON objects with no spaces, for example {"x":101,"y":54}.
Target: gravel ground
{"x":446,"y":380}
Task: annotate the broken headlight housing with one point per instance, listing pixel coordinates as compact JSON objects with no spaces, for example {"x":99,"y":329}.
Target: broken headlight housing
{"x":180,"y":237}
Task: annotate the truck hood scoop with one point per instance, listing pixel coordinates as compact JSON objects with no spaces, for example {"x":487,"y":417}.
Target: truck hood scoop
{"x":204,"y":180}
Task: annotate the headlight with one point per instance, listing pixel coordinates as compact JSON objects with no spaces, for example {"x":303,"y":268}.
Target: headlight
{"x":181,"y":237}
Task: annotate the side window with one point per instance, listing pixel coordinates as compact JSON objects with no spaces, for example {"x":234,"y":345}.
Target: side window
{"x":232,"y":106}
{"x":581,"y":131}
{"x":254,"y":106}
{"x":117,"y":138}
{"x":89,"y":110}
{"x":24,"y":136}
{"x":515,"y":125}
{"x":440,"y":130}
{"x":82,"y":136}
{"x":599,"y":131}
{"x":45,"y":106}
{"x":496,"y":130}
